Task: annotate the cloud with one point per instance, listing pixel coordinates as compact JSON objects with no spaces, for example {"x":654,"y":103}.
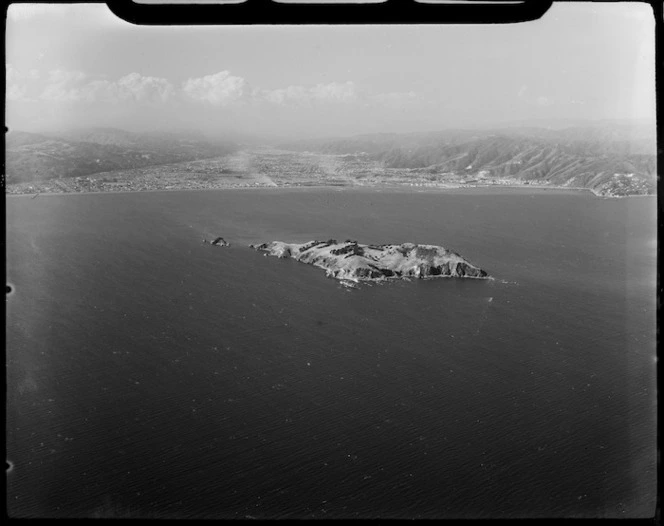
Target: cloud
{"x":18,"y":83}
{"x":13,"y":74}
{"x":74,"y":86}
{"x":339,"y":93}
{"x":224,"y":89}
{"x":17,"y":93}
{"x":145,"y":89}
{"x":333,"y":92}
{"x":220,"y":89}
{"x":291,"y":94}
{"x":63,"y":86}
{"x":76,"y":91}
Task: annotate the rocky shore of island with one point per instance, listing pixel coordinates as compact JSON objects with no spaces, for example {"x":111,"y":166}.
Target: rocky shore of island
{"x":350,"y":260}
{"x":218,"y":241}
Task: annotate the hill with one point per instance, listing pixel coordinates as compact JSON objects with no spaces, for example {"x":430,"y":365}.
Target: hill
{"x":352,"y":261}
{"x":608,"y":159}
{"x":32,"y":157}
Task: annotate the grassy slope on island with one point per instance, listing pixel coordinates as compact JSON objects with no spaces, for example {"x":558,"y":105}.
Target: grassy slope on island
{"x":353,"y":261}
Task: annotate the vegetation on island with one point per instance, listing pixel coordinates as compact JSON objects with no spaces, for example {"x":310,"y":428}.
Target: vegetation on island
{"x":351,"y":261}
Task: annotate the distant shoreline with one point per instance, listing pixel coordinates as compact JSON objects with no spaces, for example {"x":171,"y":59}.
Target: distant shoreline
{"x":422,"y":189}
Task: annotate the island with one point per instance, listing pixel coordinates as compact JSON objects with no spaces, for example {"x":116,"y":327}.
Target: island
{"x":355,"y":262}
{"x":220,"y":242}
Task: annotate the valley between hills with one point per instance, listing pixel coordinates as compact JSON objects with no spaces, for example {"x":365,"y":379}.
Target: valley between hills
{"x":610,"y":161}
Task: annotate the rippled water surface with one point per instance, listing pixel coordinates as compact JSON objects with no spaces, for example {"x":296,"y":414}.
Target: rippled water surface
{"x":150,"y":375}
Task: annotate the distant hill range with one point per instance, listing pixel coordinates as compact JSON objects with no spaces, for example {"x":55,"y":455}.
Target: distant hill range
{"x":31,"y":157}
{"x":610,"y":159}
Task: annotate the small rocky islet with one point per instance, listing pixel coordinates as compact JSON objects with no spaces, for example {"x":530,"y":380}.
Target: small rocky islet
{"x":356,"y":262}
{"x":219,"y":242}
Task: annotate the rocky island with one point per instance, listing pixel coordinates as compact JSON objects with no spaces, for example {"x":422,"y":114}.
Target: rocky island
{"x":352,"y":261}
{"x":219,"y":242}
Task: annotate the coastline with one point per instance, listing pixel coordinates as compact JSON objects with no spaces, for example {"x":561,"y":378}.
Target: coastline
{"x":403,"y":187}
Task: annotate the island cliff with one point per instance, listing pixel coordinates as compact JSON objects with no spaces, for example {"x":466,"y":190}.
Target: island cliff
{"x":352,"y":261}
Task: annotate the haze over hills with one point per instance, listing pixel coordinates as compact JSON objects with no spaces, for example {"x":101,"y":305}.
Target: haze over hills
{"x":86,"y":151}
{"x":610,"y":159}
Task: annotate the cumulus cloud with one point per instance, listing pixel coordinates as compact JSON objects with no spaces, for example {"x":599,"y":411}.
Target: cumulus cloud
{"x":13,"y":74}
{"x":220,"y":89}
{"x":74,"y":86}
{"x":64,"y":86}
{"x":137,"y":97}
{"x":145,"y":89}
{"x":18,"y":83}
{"x":333,"y":92}
{"x":224,"y":89}
{"x":17,"y":92}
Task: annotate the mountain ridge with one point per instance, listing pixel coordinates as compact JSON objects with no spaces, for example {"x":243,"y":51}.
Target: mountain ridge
{"x":32,"y":157}
{"x":609,"y":160}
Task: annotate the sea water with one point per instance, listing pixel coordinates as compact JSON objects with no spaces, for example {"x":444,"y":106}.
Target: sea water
{"x":152,"y":375}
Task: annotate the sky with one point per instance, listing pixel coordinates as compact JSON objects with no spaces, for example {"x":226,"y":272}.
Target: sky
{"x":78,"y":65}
